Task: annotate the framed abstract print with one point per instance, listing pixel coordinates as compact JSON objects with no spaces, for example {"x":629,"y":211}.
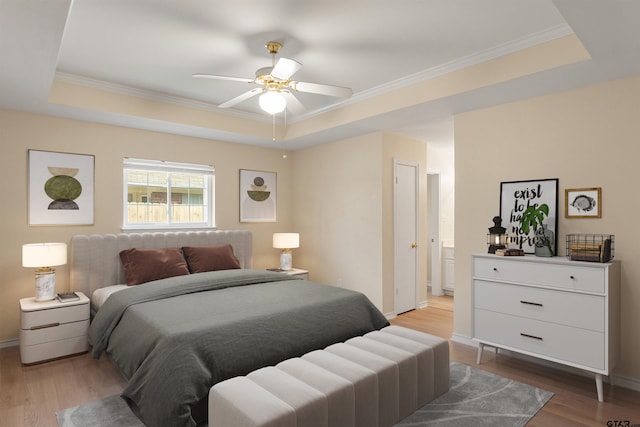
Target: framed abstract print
{"x":61,"y":188}
{"x":258,"y":196}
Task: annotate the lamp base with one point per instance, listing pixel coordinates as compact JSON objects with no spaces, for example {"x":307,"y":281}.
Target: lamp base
{"x":45,"y":284}
{"x":285,"y":260}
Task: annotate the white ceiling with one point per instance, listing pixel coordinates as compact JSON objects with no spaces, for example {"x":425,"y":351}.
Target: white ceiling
{"x":151,"y":48}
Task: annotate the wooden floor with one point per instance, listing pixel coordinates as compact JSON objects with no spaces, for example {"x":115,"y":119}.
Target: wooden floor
{"x":30,"y":395}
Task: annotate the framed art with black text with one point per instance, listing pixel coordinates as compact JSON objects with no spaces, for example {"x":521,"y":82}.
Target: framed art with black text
{"x":515,"y":197}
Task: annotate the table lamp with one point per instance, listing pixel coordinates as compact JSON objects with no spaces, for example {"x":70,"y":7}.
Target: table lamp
{"x":44,"y":256}
{"x":286,"y":242}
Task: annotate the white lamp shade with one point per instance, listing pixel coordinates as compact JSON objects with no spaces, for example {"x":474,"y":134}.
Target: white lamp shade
{"x":286,"y":240}
{"x":44,"y":254}
{"x":272,"y":102}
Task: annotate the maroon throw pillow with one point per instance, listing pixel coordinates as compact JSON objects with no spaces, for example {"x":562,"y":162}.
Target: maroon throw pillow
{"x":210,"y":258}
{"x":146,"y":265}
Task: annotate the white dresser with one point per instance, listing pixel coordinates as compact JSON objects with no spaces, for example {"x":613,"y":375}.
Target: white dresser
{"x":552,"y":308}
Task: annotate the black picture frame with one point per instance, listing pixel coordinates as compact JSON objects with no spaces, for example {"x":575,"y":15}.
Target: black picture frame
{"x":515,"y":197}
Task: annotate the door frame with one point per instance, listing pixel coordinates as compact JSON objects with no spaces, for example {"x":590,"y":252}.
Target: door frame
{"x":433,"y":213}
{"x":396,"y":223}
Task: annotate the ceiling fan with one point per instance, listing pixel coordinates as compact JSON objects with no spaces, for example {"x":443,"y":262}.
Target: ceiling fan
{"x":276,"y":87}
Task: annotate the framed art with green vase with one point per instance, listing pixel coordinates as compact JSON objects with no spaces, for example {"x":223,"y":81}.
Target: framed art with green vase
{"x":61,"y":188}
{"x":529,"y":212}
{"x":258,"y":191}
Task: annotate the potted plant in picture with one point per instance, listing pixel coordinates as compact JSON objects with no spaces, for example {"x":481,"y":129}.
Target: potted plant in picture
{"x":532,"y":219}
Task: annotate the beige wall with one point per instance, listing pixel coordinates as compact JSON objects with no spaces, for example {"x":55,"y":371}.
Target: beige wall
{"x":343,"y":210}
{"x":337,"y":203}
{"x":109,"y":144}
{"x":587,"y":138}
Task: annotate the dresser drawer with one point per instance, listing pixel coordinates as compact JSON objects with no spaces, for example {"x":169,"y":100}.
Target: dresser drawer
{"x":565,"y":343}
{"x":574,"y":277}
{"x":567,"y":308}
{"x":54,"y":333}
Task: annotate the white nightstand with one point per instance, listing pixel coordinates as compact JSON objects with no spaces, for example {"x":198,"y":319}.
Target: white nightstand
{"x":298,"y":273}
{"x":53,"y":329}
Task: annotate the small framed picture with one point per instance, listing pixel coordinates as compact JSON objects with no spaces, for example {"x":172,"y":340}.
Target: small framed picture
{"x":582,"y":202}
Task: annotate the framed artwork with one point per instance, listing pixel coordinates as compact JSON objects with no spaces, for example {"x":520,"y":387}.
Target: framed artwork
{"x":515,"y":197}
{"x":582,"y":202}
{"x":258,"y":195}
{"x":60,"y":188}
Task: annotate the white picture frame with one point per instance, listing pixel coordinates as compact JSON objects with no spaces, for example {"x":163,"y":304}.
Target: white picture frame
{"x":258,"y":196}
{"x":61,"y":188}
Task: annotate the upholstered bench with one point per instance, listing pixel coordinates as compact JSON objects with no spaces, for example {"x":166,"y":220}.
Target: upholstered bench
{"x":374,"y":380}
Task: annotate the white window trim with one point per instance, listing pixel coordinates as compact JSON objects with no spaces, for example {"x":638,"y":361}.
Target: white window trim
{"x":165,"y":166}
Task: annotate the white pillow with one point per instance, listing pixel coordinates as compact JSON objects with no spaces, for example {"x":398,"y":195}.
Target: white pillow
{"x":100,"y":295}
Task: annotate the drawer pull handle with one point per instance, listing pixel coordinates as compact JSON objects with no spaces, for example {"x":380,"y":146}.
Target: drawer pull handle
{"x":571,"y":277}
{"x":48,"y":325}
{"x":495,"y":269}
{"x":537,"y":304}
{"x":531,"y":336}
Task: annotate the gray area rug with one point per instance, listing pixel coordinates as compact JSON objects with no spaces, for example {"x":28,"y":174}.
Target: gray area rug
{"x":480,"y":398}
{"x":476,"y":398}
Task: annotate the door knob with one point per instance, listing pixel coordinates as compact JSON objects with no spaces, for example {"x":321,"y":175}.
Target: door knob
{"x":414,"y":245}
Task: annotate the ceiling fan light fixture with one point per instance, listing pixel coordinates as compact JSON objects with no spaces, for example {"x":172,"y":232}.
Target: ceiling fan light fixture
{"x":272,"y":102}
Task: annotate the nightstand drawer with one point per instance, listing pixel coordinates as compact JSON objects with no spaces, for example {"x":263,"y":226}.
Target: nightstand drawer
{"x":53,"y":349}
{"x":54,"y":333}
{"x":61,"y":314}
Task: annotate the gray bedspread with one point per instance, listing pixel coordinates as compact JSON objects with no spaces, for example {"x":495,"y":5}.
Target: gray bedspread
{"x":175,"y":338}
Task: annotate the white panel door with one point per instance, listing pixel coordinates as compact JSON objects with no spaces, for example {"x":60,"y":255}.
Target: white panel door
{"x":405,"y":235}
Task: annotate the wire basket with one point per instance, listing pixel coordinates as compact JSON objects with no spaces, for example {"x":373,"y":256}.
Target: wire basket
{"x":590,"y":247}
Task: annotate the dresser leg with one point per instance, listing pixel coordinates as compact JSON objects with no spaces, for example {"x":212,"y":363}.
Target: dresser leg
{"x":599,"y":387}
{"x":480,"y":348}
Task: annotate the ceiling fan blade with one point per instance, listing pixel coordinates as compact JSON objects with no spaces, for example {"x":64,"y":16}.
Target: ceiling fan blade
{"x":339,"y":91}
{"x":215,"y":77}
{"x":285,"y":68}
{"x":240,"y":98}
{"x":293,"y":104}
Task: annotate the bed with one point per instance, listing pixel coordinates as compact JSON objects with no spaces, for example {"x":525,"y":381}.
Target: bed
{"x":175,"y":337}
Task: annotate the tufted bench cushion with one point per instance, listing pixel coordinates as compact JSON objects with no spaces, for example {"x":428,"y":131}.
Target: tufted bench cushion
{"x":370,"y":381}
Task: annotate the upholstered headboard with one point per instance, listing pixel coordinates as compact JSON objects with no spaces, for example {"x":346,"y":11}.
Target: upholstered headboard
{"x":95,"y":261}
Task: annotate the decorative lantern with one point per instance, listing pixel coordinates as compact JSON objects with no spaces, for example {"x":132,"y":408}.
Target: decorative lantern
{"x":497,"y":237}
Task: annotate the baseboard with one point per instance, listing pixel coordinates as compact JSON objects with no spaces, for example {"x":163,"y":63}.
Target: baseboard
{"x":11,"y":342}
{"x":393,"y":314}
{"x":463,"y":339}
{"x":626,"y":382}
{"x":618,"y":380}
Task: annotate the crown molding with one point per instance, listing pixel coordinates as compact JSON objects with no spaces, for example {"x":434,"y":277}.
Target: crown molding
{"x":154,"y":96}
{"x":512,"y":46}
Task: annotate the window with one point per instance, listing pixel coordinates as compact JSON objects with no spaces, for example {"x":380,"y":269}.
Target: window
{"x":160,"y":194}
